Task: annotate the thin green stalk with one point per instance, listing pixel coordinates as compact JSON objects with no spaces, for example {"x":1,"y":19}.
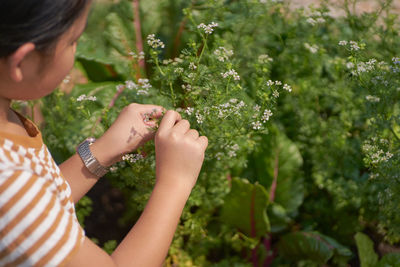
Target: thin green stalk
{"x":227,"y":85}
{"x":172,"y":93}
{"x":394,"y":134}
{"x":158,"y":67}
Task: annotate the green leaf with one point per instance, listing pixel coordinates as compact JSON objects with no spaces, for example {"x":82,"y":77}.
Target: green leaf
{"x":366,"y":253}
{"x":106,"y":56}
{"x":245,"y":208}
{"x":290,"y":190}
{"x":278,"y":217}
{"x":306,"y":246}
{"x":390,"y":260}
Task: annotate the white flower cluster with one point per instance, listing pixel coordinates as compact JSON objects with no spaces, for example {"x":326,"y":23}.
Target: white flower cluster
{"x":380,"y":79}
{"x":396,"y":60}
{"x":86,"y":98}
{"x":316,"y":17}
{"x":208,"y":29}
{"x":132,"y":158}
{"x":189,"y":111}
{"x":233,"y":106}
{"x":312,"y":48}
{"x":174,"y":61}
{"x":153,"y":42}
{"x":315,"y":21}
{"x":257,"y":125}
{"x":179,"y":70}
{"x":231,"y":73}
{"x":192,"y":66}
{"x":267,"y":114}
{"x":363,"y":67}
{"x":140,"y":56}
{"x":272,"y":1}
{"x":187,"y":87}
{"x":142,"y":87}
{"x":199,"y":117}
{"x":131,"y":85}
{"x":353,"y":45}
{"x":232,"y":149}
{"x":376,"y":154}
{"x":264,"y":58}
{"x":373,"y":99}
{"x":275,"y":93}
{"x":223,"y":54}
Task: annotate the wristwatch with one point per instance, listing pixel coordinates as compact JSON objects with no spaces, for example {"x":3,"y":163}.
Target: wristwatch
{"x":89,"y":160}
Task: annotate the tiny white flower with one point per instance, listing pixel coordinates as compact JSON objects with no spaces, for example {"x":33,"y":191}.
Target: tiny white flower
{"x":256,"y":125}
{"x":223,"y":54}
{"x":189,"y":110}
{"x":141,"y":55}
{"x":231,"y":73}
{"x":131,"y":85}
{"x":270,"y":83}
{"x":81,"y":98}
{"x":343,"y":43}
{"x":312,"y":21}
{"x":86,"y":98}
{"x":267,"y":114}
{"x":373,"y":99}
{"x":287,"y":87}
{"x":312,"y":48}
{"x":179,"y":70}
{"x":208,"y":29}
{"x":354,"y":46}
{"x":199,"y":117}
{"x":153,"y":42}
{"x":349,"y":65}
{"x":264,"y":58}
{"x":192,"y":66}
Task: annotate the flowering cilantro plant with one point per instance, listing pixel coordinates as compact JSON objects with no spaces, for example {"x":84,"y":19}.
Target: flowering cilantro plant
{"x":300,"y":108}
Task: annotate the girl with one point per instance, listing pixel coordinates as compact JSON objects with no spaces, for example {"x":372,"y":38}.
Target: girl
{"x":38,"y":226}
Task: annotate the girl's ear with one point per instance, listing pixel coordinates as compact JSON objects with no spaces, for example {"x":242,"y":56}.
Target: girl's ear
{"x":15,"y":60}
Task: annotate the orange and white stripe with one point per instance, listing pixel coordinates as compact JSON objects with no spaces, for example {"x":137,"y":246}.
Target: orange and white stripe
{"x":38,"y":225}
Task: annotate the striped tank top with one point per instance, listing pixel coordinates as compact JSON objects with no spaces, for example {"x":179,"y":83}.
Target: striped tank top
{"x":38,"y":225}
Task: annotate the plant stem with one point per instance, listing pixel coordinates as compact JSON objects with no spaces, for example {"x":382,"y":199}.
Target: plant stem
{"x":158,"y":66}
{"x":275,"y":181}
{"x":227,"y":85}
{"x":172,"y":93}
{"x":202,"y":50}
{"x":394,"y":133}
{"x":138,"y":34}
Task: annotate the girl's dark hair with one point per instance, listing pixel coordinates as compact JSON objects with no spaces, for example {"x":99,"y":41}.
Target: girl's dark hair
{"x":41,"y":22}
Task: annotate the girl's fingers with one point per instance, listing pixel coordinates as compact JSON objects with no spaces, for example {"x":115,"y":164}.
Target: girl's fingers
{"x":152,"y":111}
{"x":169,"y":120}
{"x":182,"y":126}
{"x":193,"y":133}
{"x":203,"y":141}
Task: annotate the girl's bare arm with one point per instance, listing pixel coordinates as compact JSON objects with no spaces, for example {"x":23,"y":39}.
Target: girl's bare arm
{"x":179,"y":156}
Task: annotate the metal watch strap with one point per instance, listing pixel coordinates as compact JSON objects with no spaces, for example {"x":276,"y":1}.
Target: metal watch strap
{"x":91,"y":163}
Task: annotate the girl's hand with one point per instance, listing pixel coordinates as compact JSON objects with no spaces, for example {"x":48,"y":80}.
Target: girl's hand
{"x":179,"y":152}
{"x":134,"y":126}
